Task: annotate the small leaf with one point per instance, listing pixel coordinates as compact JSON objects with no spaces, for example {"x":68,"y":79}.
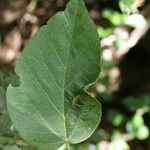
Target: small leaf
{"x":142,"y":133}
{"x":51,"y":106}
{"x":137,"y":128}
{"x":126,"y":5}
{"x":114,"y":17}
{"x":104,"y":32}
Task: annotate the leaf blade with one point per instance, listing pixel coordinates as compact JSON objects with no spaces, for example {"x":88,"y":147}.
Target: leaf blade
{"x":54,"y":69}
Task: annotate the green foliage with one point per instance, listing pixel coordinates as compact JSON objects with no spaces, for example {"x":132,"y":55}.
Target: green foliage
{"x":137,"y":128}
{"x":5,"y":122}
{"x":115,"y":117}
{"x":126,"y":5}
{"x":8,"y":138}
{"x":135,"y":103}
{"x":114,"y":17}
{"x":51,"y":106}
{"x":104,"y":32}
{"x":52,"y":102}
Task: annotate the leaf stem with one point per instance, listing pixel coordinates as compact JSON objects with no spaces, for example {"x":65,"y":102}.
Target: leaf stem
{"x":68,"y":146}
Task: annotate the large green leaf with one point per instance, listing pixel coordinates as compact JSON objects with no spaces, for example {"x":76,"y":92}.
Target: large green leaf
{"x":51,"y":106}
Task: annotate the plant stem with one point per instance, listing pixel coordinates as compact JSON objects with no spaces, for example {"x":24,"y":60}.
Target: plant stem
{"x":68,"y":146}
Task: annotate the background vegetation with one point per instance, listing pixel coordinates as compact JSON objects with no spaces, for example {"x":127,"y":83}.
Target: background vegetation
{"x":124,"y":84}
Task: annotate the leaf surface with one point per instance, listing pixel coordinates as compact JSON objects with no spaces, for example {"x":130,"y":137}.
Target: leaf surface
{"x":51,"y":106}
{"x":5,"y":79}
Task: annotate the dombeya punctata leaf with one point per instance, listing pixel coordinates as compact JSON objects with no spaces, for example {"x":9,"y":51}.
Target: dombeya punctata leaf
{"x":51,"y":106}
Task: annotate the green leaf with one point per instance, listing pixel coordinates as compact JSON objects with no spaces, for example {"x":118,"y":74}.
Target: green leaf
{"x":142,"y":133}
{"x":115,"y":117}
{"x":104,"y":32}
{"x":126,"y":5}
{"x":51,"y":106}
{"x":11,"y":148}
{"x":114,"y":17}
{"x":135,"y":103}
{"x":137,"y":128}
{"x":5,"y":79}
